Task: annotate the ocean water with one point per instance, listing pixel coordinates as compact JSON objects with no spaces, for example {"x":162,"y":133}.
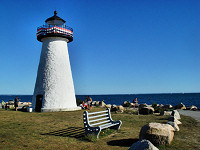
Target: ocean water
{"x":174,"y":99}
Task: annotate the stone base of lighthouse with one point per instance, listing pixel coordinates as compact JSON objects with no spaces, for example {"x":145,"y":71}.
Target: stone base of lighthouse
{"x":54,"y":88}
{"x":60,"y":109}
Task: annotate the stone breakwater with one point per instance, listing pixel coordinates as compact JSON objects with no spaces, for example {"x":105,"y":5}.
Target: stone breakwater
{"x":159,"y":133}
{"x":144,"y":109}
{"x":10,"y":105}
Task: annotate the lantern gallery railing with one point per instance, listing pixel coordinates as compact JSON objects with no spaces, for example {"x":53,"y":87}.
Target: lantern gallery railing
{"x":44,"y":30}
{"x":62,"y":26}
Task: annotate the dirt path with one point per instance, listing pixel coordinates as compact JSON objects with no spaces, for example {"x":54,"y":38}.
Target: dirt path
{"x":193,"y":114}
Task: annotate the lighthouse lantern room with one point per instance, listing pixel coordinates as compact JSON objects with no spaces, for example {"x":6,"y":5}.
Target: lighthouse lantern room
{"x":54,"y":88}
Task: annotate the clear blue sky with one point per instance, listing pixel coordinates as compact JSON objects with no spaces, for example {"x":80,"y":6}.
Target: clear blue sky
{"x":119,"y":47}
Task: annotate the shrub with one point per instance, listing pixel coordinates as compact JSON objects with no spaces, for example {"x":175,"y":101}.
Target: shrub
{"x":155,"y":105}
{"x":156,"y":108}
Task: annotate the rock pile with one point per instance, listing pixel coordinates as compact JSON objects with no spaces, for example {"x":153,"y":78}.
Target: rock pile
{"x":158,"y":133}
{"x":144,"y":109}
{"x":10,"y":105}
{"x":173,"y":120}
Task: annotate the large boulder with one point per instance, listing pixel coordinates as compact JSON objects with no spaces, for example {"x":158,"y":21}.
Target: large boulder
{"x":146,"y":110}
{"x":174,"y":125}
{"x":143,"y":145}
{"x":183,"y":108}
{"x":120,"y":107}
{"x":194,"y":108}
{"x":24,"y":108}
{"x":21,"y":104}
{"x":10,"y":106}
{"x":155,"y":105}
{"x":176,"y":114}
{"x":108,"y":106}
{"x":93,"y":103}
{"x":166,"y":113}
{"x":114,"y":108}
{"x":97,"y":103}
{"x":157,"y":133}
{"x":132,"y":104}
{"x":25,"y":103}
{"x":161,"y":105}
{"x":11,"y":102}
{"x":180,"y":106}
{"x":142,"y":105}
{"x":135,"y":105}
{"x":168,"y":106}
{"x":174,"y":119}
{"x":102,"y":104}
{"x":126,"y":104}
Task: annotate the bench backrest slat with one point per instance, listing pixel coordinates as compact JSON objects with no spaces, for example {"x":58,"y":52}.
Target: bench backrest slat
{"x":98,"y":112}
{"x":92,"y":125}
{"x":97,"y":116}
{"x":105,"y":118}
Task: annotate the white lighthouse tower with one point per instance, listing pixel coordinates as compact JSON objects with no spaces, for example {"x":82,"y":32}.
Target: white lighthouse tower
{"x":54,"y":88}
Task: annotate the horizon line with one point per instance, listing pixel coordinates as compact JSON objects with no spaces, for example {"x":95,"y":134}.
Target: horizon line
{"x":121,"y":94}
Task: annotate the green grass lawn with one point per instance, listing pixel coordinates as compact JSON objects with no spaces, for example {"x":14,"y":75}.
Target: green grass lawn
{"x":64,"y":130}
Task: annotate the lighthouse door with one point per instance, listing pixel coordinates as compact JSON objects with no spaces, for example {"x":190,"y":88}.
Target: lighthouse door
{"x":38,"y":105}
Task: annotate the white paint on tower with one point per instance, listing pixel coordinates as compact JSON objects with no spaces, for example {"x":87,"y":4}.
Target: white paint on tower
{"x":54,"y":88}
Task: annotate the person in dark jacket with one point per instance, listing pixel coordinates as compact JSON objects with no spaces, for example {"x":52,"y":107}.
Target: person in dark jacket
{"x":16,"y":103}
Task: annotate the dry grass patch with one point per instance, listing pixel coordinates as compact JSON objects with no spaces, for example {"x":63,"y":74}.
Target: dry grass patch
{"x":64,"y":130}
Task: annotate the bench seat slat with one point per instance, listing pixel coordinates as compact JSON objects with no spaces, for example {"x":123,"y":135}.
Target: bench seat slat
{"x":97,"y":116}
{"x":99,"y":123}
{"x":98,"y":119}
{"x":98,"y":112}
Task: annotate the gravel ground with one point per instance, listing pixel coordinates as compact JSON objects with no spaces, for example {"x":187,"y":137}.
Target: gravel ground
{"x":193,"y":114}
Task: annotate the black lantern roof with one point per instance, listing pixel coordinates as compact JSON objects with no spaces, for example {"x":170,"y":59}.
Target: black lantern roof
{"x":55,"y":17}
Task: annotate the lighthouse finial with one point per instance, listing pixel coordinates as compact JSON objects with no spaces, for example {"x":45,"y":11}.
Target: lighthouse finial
{"x":55,"y":13}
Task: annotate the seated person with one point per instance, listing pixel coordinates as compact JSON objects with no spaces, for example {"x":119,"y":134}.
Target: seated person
{"x":86,"y":103}
{"x":82,"y":105}
{"x":89,"y":100}
{"x":135,"y":102}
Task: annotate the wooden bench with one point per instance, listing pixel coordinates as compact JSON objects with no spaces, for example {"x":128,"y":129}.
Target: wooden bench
{"x":96,"y":121}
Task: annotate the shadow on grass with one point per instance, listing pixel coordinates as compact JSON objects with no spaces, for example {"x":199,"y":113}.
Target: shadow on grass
{"x":75,"y":132}
{"x":122,"y":142}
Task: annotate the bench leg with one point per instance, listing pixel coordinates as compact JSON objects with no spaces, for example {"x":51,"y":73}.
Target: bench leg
{"x":93,"y":130}
{"x":116,"y":127}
